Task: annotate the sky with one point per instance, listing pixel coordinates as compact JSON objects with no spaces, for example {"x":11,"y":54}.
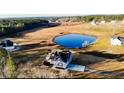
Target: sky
{"x":32,"y":8}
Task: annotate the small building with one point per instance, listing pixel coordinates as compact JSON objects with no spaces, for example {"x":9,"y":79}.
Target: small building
{"x":113,"y":21}
{"x":93,"y":22}
{"x":123,"y":21}
{"x":117,"y":41}
{"x":102,"y":22}
{"x":9,"y":45}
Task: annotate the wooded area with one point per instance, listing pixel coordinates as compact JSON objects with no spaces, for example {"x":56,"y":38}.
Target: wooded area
{"x":88,"y":18}
{"x":10,"y":26}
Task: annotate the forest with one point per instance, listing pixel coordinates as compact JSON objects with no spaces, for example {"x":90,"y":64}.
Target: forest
{"x":11,"y":26}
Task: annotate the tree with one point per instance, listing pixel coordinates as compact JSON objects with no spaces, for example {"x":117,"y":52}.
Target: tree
{"x":7,"y":65}
{"x":10,"y":68}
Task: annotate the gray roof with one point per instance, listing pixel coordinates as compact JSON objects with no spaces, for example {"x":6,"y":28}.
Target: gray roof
{"x":121,"y":39}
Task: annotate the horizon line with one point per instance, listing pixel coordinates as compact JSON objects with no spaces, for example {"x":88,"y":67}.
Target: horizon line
{"x":46,"y":15}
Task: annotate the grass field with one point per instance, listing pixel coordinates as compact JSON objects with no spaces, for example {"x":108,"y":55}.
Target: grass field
{"x":100,"y":56}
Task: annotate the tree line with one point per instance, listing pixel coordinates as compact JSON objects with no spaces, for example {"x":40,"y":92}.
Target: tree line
{"x":88,"y":18}
{"x":11,"y":26}
{"x":100,"y":18}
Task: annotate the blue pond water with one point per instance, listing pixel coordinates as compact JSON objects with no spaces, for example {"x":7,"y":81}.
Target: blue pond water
{"x":74,"y":40}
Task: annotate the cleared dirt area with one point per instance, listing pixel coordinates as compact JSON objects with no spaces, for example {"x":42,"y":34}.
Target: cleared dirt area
{"x":101,"y":55}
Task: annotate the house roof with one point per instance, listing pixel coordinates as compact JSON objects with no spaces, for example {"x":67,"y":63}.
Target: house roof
{"x":121,"y":39}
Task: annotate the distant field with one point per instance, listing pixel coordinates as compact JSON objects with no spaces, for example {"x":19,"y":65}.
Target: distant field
{"x":100,"y":56}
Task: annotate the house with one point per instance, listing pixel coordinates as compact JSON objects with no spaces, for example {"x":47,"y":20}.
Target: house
{"x":9,"y":45}
{"x":117,"y":41}
{"x":123,"y":21}
{"x":102,"y":22}
{"x":93,"y":22}
{"x":113,"y":21}
{"x":59,"y":58}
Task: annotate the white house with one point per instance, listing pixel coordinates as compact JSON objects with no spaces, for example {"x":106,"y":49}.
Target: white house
{"x":117,"y":41}
{"x":102,"y":22}
{"x":59,"y":58}
{"x":9,"y":45}
{"x":123,"y":21}
{"x":93,"y":22}
{"x":113,"y":21}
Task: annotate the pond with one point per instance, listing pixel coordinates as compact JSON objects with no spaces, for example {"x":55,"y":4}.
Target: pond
{"x":74,"y":40}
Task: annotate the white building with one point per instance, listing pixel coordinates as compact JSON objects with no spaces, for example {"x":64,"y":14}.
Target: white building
{"x":9,"y":45}
{"x":102,"y":22}
{"x":117,"y":41}
{"x":123,"y":21}
{"x":93,"y":22}
{"x":113,"y":21}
